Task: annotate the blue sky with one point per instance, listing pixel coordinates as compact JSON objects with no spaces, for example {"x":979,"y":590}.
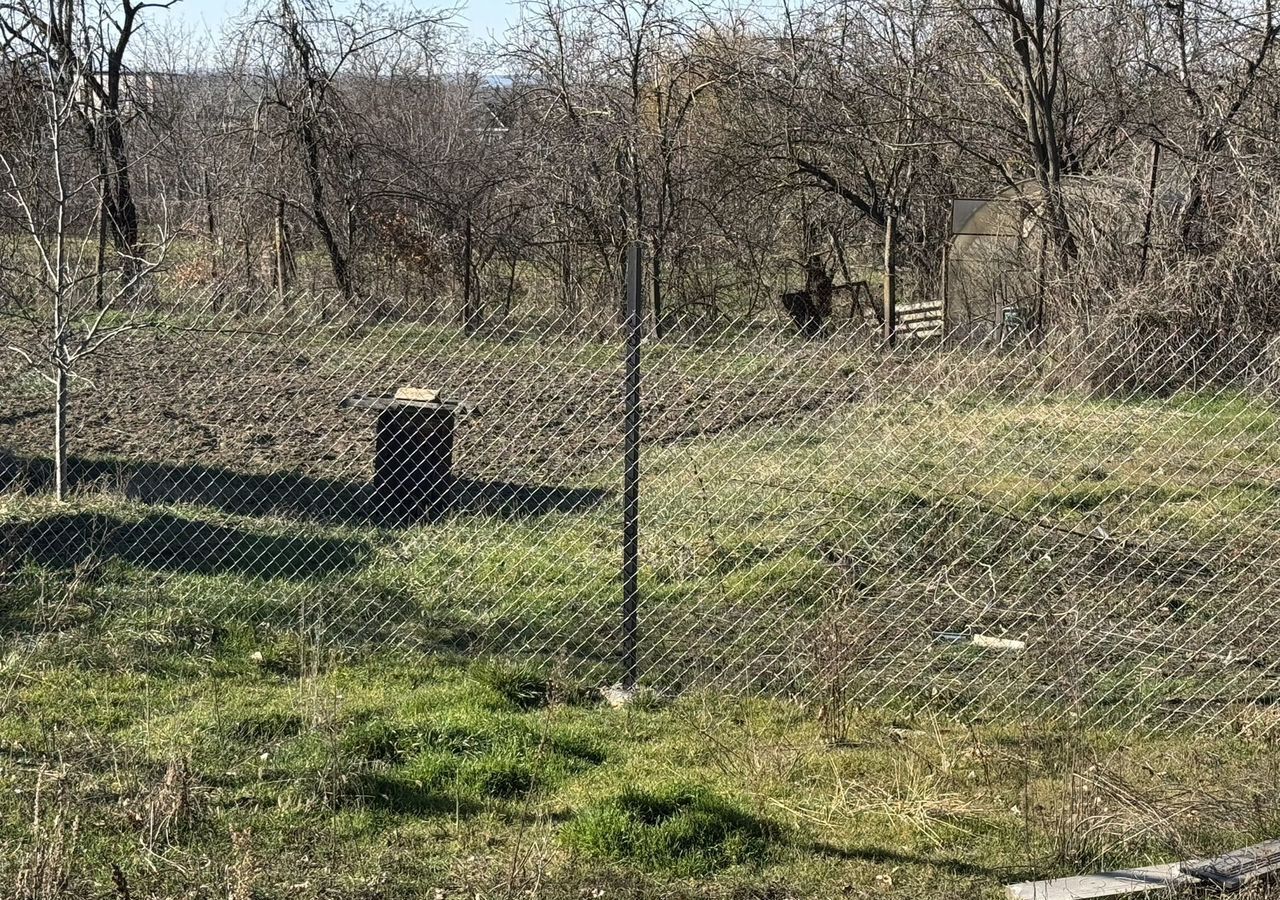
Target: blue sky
{"x":480,"y":16}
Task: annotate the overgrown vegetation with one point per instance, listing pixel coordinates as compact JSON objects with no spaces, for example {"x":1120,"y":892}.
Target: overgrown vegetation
{"x":207,"y":722}
{"x":918,"y":615}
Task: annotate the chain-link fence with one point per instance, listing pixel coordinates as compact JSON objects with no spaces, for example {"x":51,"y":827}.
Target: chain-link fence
{"x":991,"y":529}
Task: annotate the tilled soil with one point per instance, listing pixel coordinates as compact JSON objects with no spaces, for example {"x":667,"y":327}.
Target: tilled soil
{"x":259,"y":404}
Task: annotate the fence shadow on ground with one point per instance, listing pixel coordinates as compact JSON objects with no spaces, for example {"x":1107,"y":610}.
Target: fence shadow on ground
{"x":169,"y":543}
{"x":288,"y":495}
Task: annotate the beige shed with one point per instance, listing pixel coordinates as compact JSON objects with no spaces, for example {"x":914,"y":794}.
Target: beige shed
{"x":996,"y":257}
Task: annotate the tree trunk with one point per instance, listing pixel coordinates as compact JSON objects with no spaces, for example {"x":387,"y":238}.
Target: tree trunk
{"x":656,"y":277}
{"x":283,"y":257}
{"x":469,"y":312}
{"x":566,"y":278}
{"x":511,"y":287}
{"x":122,"y":210}
{"x":212,"y":224}
{"x":1191,"y":228}
{"x":246,"y":258}
{"x":315,"y":180}
{"x":100,"y":262}
{"x":61,"y":401}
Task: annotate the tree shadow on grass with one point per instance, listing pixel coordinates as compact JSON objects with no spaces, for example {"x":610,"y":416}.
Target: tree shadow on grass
{"x":291,"y":495}
{"x":169,"y":543}
{"x":406,"y":797}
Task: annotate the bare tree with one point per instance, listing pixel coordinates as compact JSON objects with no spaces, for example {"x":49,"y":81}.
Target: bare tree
{"x":299,"y":58}
{"x":1214,"y":56}
{"x":89,"y":45}
{"x":56,"y":294}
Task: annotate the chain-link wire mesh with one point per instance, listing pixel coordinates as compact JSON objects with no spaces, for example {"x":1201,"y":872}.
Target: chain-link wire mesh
{"x":1030,"y":527}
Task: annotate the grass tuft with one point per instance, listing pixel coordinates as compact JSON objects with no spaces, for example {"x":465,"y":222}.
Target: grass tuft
{"x":677,"y":830}
{"x":524,"y":685}
{"x":377,"y":740}
{"x":258,"y":727}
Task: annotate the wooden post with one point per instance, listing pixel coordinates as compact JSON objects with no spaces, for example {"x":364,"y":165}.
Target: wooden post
{"x":890,"y":279}
{"x":468,"y":289}
{"x":282,"y":256}
{"x":1151,"y":202}
{"x":511,"y":286}
{"x":944,"y":308}
{"x":212,"y":225}
{"x":246,"y":255}
{"x":566,"y":278}
{"x":631,"y":468}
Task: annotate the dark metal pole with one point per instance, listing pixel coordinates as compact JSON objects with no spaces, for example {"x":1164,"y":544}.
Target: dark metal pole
{"x":631,"y":468}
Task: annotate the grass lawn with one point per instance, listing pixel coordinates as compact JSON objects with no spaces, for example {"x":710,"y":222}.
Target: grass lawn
{"x":199,"y":703}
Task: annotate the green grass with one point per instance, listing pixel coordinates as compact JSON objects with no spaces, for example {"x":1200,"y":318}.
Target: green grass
{"x":364,"y":758}
{"x":350,"y":711}
{"x":678,"y":829}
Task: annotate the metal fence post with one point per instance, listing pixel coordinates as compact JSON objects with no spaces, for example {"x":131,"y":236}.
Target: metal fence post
{"x":631,"y":468}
